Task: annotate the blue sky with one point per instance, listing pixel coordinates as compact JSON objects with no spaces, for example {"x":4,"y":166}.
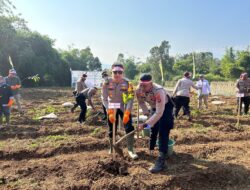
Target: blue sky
{"x":132,"y":27}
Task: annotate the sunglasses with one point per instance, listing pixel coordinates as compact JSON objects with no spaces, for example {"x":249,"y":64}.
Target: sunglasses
{"x":117,"y":72}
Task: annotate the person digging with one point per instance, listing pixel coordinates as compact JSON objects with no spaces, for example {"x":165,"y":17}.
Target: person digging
{"x":161,"y":119}
{"x":6,"y":101}
{"x":80,"y":86}
{"x":88,"y":94}
{"x":115,"y":90}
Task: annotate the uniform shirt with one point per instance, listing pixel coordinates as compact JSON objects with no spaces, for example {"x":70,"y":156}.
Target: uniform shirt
{"x":80,"y":86}
{"x":182,"y":87}
{"x":13,"y":81}
{"x":112,"y":92}
{"x":88,"y":93}
{"x":157,"y":97}
{"x":103,"y":81}
{"x":204,"y":87}
{"x":243,"y":86}
{"x":5,"y":94}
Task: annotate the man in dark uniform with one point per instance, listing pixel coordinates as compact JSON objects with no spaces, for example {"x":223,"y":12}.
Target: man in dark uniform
{"x":6,"y":101}
{"x":161,"y":119}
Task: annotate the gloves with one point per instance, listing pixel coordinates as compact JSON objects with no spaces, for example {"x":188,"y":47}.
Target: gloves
{"x":15,"y":87}
{"x":10,"y":102}
{"x":111,"y":115}
{"x":126,"y":117}
{"x":146,"y":126}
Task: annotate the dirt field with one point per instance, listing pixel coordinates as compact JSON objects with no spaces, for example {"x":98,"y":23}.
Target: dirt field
{"x":210,"y":152}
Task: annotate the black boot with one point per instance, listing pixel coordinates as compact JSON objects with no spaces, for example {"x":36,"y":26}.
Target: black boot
{"x":159,"y":164}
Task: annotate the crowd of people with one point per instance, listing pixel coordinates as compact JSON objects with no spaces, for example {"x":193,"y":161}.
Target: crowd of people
{"x":160,"y":107}
{"x":156,"y":103}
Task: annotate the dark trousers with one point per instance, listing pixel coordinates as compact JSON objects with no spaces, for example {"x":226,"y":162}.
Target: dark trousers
{"x":104,"y":111}
{"x":162,"y":127}
{"x":128,"y":127}
{"x":80,"y":100}
{"x":245,"y":101}
{"x":182,"y":101}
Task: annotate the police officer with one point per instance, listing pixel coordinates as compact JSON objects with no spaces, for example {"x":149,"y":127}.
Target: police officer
{"x":15,"y":84}
{"x":80,"y":86}
{"x":243,"y":87}
{"x":160,"y":120}
{"x":88,"y":94}
{"x":104,"y":77}
{"x":119,"y":90}
{"x":182,"y":92}
{"x":6,"y":101}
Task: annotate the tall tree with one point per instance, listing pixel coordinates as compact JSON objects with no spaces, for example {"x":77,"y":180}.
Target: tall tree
{"x":130,"y":68}
{"x":160,"y":55}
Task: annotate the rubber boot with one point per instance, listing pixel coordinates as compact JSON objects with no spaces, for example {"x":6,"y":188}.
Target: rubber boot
{"x":7,"y":120}
{"x":159,"y":164}
{"x":110,"y":146}
{"x":130,"y":143}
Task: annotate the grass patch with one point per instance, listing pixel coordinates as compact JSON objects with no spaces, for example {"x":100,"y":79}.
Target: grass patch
{"x":195,"y":113}
{"x":199,"y":128}
{"x":34,"y":145}
{"x":44,"y":111}
{"x":49,"y":141}
{"x":2,"y":144}
{"x":197,"y":125}
{"x":96,"y":131}
{"x":55,"y":137}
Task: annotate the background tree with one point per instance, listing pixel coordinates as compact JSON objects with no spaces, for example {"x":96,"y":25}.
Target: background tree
{"x":130,"y":68}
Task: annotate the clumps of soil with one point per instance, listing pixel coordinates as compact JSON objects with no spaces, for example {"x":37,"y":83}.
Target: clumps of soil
{"x":207,"y":151}
{"x":94,"y":119}
{"x":106,"y":168}
{"x":229,"y":128}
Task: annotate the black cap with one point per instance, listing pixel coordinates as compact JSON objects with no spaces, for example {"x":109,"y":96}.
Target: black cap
{"x":187,"y":74}
{"x":104,"y":73}
{"x":84,"y":75}
{"x":146,"y":77}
